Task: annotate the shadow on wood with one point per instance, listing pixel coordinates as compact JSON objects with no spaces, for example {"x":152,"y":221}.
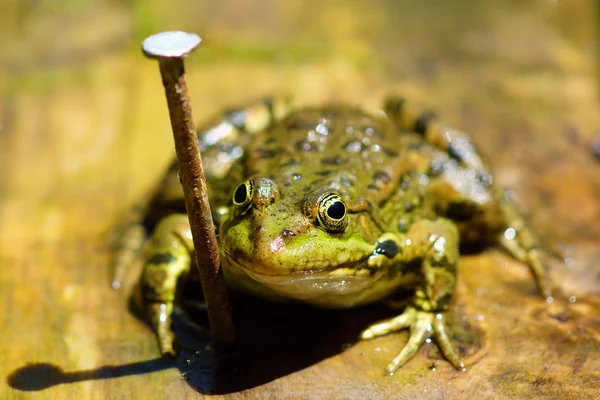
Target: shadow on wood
{"x":273,"y":340}
{"x":40,"y":376}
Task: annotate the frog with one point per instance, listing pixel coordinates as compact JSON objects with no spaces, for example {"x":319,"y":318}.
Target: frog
{"x":335,"y":207}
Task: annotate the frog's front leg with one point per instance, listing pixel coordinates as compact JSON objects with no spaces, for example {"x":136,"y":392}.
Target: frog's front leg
{"x":435,"y":245}
{"x":466,"y":185}
{"x":167,"y":262}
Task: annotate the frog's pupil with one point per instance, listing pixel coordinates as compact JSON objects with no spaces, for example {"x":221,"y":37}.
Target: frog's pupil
{"x":240,"y":194}
{"x":336,"y":210}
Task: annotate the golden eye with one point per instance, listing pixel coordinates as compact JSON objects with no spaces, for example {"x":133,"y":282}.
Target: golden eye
{"x":332,"y":213}
{"x":242,"y":197}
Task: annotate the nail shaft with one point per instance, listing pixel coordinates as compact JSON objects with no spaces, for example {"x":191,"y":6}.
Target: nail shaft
{"x":170,"y":54}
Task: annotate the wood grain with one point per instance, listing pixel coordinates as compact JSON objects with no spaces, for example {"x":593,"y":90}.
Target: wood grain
{"x":85,"y":132}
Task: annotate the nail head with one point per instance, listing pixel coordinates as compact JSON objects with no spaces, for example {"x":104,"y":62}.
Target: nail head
{"x":173,"y":44}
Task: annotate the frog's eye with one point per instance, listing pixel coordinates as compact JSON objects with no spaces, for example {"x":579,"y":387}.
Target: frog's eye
{"x":332,"y":213}
{"x":242,"y":197}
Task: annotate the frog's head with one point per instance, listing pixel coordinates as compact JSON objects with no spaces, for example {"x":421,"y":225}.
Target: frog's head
{"x":298,"y":242}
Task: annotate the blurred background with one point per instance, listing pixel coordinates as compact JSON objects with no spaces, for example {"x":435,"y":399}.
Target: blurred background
{"x":84,"y":128}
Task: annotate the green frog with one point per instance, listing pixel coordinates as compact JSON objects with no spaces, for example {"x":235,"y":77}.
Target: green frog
{"x":334,"y":207}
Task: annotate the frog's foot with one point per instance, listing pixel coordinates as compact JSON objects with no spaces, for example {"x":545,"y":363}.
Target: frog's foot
{"x":533,"y":257}
{"x":423,"y":325}
{"x":159,"y":317}
{"x":520,"y":242}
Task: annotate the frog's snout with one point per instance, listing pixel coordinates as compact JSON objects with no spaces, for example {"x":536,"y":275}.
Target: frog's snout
{"x":266,"y":193}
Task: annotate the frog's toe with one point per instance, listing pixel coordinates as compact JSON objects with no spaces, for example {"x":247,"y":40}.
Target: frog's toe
{"x":159,"y":317}
{"x":165,"y":343}
{"x":536,"y":261}
{"x":523,"y":249}
{"x":441,"y":337}
{"x":420,"y":330}
{"x":422,"y":325}
{"x":404,"y":320}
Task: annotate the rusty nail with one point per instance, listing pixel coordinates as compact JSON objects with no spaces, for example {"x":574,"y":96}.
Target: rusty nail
{"x":169,"y":48}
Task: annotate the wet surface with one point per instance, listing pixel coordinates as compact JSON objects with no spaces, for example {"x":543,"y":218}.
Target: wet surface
{"x":84,"y":132}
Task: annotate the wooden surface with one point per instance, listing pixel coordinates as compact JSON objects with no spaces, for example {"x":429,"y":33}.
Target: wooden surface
{"x":85,"y":131}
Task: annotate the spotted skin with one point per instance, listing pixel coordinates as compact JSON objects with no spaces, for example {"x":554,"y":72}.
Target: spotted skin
{"x":465,"y":188}
{"x":337,"y":208}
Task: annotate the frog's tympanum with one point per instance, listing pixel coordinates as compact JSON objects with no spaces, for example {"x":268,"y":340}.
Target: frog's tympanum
{"x":337,"y":208}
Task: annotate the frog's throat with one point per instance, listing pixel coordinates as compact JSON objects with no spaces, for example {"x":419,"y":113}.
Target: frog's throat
{"x":345,"y":286}
{"x":350,"y":275}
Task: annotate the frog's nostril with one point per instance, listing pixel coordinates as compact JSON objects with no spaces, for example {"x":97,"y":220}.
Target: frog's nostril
{"x":286,"y":232}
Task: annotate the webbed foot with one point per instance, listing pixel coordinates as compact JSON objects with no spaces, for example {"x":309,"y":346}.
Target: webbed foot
{"x":423,"y":325}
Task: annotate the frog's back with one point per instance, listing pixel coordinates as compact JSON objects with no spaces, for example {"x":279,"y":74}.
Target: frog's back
{"x":358,"y":154}
{"x":343,"y":148}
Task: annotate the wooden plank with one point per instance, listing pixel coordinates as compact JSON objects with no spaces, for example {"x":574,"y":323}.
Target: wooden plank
{"x":76,"y":153}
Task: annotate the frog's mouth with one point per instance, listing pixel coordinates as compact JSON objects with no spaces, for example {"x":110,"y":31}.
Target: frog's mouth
{"x":343,"y":286}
